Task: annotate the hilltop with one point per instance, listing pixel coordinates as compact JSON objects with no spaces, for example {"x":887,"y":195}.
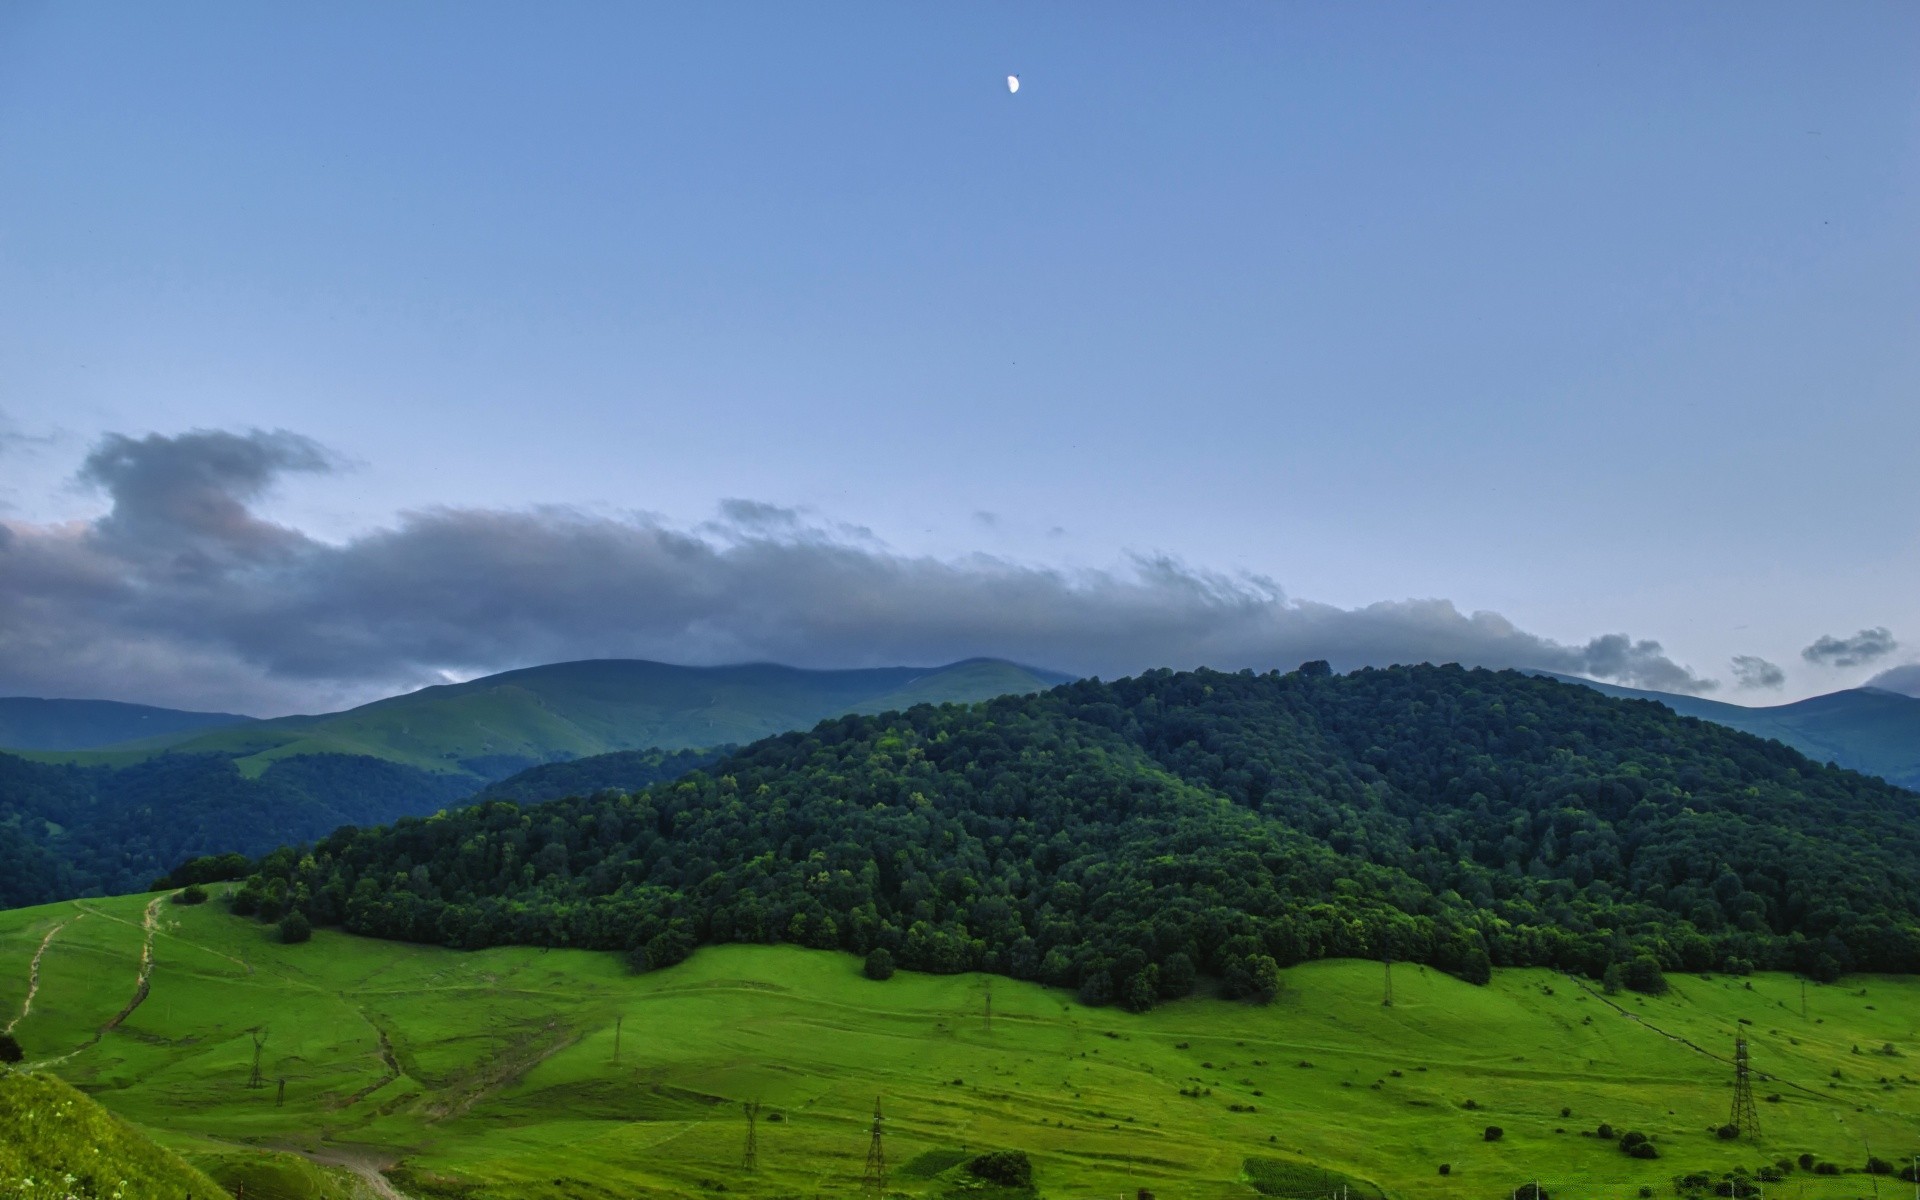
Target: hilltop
{"x":1124,"y":838}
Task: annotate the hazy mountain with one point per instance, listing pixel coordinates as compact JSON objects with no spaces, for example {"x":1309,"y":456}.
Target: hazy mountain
{"x":1864,"y":729}
{"x":30,"y":723}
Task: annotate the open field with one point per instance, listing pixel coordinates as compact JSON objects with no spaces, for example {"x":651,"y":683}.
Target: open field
{"x":494,"y":1073}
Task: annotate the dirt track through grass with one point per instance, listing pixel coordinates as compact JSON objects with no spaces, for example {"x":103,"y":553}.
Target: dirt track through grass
{"x":33,"y":977}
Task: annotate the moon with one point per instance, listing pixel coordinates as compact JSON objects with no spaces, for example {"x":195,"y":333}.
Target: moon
{"x":1013,"y":83}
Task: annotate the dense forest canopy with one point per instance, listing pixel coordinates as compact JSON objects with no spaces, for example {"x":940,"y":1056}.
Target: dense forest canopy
{"x":1120,"y":837}
{"x":90,"y":831}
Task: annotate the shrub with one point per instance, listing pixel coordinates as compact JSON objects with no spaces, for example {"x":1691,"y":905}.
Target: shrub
{"x":639,"y":961}
{"x":1806,"y":1162}
{"x":1727,"y":1133}
{"x":1530,"y":1191}
{"x":879,"y":964}
{"x":193,"y":893}
{"x":295,"y":928}
{"x":1493,"y":1134}
{"x":1643,"y":975}
{"x":1007,"y":1168}
{"x":1605,"y":1131}
{"x":10,"y":1051}
{"x":1446,"y":1168}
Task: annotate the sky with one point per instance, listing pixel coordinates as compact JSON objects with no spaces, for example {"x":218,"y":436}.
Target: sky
{"x":354,"y":347}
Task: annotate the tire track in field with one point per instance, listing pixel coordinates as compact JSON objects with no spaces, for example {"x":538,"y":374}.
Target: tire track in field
{"x":33,"y":975}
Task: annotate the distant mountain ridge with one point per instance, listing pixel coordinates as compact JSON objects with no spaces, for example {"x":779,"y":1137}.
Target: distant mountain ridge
{"x":111,"y":819}
{"x":491,"y":727}
{"x":32,"y":723}
{"x":1870,"y":730}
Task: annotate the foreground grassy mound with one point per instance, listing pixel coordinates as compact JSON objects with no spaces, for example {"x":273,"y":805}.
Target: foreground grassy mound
{"x":548,"y":1075}
{"x":56,"y":1142}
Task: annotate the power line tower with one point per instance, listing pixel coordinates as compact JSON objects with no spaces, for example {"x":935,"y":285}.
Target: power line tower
{"x":750,"y":1158}
{"x":1745,"y":1117}
{"x":875,"y":1183}
{"x":1387,"y":1002}
{"x":257,"y":1080}
{"x":989,"y":1009}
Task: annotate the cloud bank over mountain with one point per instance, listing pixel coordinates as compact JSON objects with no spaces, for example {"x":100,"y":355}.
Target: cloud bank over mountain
{"x":181,"y":593}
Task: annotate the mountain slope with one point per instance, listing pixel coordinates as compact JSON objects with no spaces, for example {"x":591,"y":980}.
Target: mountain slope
{"x":29,"y":723}
{"x":1117,"y":837}
{"x":90,"y":831}
{"x":491,"y":727}
{"x":49,"y":1132}
{"x":520,"y":1074}
{"x":105,"y":821}
{"x":1862,"y":729}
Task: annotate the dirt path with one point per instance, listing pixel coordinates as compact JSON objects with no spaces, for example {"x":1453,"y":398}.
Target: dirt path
{"x":366,"y":1165}
{"x":142,"y":984}
{"x":143,"y":981}
{"x":33,"y":976}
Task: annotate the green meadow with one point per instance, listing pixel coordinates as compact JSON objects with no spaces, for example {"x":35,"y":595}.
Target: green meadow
{"x":528,"y":1073}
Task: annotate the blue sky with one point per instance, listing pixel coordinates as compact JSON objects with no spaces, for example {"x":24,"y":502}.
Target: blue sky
{"x":1604,"y":318}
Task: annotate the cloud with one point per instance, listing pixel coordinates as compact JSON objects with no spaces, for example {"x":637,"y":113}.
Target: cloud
{"x":182,"y":594}
{"x":1862,"y":648}
{"x":1752,"y":672}
{"x":1903,"y":679}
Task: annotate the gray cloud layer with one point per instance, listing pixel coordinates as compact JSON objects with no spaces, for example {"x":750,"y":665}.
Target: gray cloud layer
{"x":182,"y":594}
{"x":1867,"y":646}
{"x":1902,"y":679}
{"x":1750,"y":671}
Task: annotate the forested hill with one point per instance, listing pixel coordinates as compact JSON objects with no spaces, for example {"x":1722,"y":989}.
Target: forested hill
{"x":1117,"y":837}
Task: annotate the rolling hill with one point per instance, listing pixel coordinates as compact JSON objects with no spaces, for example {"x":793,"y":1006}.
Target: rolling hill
{"x":104,"y":821}
{"x":490,"y":727}
{"x":526,"y":1074}
{"x":1863,"y":729}
{"x":29,"y":723}
{"x":1125,"y":838}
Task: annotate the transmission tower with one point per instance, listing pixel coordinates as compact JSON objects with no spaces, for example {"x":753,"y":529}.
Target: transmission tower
{"x":875,"y":1183}
{"x":1745,"y":1117}
{"x":750,"y":1158}
{"x":1388,"y":1001}
{"x":989,"y":1010}
{"x":256,"y":1080}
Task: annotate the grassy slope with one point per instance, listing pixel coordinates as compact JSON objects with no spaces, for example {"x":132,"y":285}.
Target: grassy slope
{"x":28,"y":723}
{"x":1867,"y":730}
{"x":507,"y":1083}
{"x":49,"y":1131}
{"x":583,"y":708}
